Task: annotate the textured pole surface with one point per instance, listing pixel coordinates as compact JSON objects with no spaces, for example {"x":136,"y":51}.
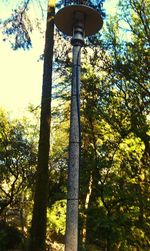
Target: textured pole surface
{"x":74,"y":152}
{"x":78,"y":21}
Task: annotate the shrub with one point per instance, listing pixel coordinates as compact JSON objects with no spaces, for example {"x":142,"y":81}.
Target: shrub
{"x":10,"y":237}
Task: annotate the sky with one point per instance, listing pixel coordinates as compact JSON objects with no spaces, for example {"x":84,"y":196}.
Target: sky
{"x":21,"y":72}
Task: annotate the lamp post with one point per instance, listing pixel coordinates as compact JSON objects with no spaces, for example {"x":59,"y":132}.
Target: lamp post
{"x":76,"y":20}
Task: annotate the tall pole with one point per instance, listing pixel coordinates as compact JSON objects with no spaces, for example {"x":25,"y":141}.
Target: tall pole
{"x":77,"y":41}
{"x":77,"y":20}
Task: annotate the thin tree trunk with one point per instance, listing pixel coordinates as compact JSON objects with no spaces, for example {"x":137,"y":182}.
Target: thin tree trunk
{"x":38,"y":228}
{"x":86,"y":206}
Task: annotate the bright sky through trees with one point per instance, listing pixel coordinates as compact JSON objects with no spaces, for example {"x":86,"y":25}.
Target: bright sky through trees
{"x":21,"y":78}
{"x":21,"y":71}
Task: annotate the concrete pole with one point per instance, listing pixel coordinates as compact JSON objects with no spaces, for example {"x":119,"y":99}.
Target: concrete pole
{"x":74,"y":144}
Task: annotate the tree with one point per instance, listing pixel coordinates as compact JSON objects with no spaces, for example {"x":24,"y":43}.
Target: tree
{"x":119,"y":99}
{"x":38,"y":228}
{"x":17,"y":161}
{"x":19,"y":26}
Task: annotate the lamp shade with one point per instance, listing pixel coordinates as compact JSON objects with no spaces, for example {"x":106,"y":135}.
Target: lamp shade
{"x":64,"y":19}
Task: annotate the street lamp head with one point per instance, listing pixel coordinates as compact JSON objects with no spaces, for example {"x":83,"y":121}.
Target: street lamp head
{"x":65,"y":18}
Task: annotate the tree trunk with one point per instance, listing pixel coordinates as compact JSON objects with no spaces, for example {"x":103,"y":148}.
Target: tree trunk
{"x":38,"y":227}
{"x":86,"y":206}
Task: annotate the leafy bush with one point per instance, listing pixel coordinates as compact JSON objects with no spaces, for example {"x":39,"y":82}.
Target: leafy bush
{"x":57,"y":218}
{"x":10,"y":237}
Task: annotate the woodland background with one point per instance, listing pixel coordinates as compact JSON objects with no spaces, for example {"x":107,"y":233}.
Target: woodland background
{"x":114,"y":174}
